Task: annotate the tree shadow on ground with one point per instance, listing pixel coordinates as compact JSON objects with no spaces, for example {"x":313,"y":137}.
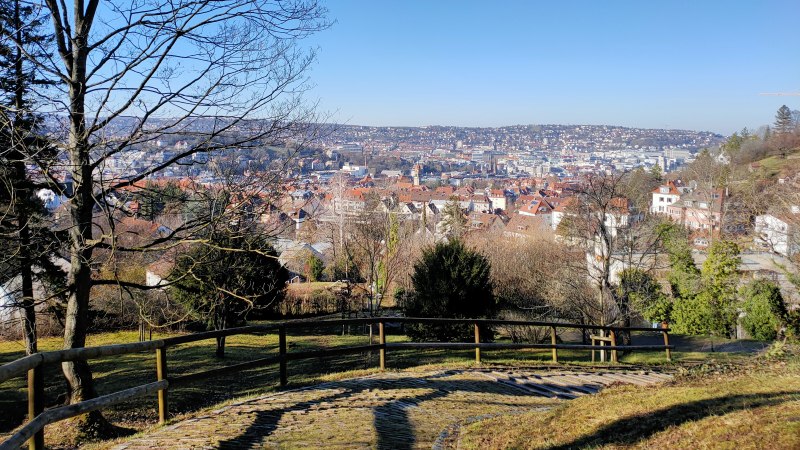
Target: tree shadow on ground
{"x":390,"y":416}
{"x":630,"y":430}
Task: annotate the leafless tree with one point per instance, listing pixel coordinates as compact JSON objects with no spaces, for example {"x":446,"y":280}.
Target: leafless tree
{"x":613,"y":238}
{"x":218,"y":74}
{"x":381,"y":244}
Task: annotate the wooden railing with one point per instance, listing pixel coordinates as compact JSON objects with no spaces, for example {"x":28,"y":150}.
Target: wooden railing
{"x":38,"y":418}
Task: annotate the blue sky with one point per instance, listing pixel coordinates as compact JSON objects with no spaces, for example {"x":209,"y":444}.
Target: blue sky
{"x":669,"y":64}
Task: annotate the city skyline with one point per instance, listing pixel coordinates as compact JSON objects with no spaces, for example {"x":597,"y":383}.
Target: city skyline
{"x":696,"y":66}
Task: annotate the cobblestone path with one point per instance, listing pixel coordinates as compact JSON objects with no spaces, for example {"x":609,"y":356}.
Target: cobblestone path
{"x":392,"y":410}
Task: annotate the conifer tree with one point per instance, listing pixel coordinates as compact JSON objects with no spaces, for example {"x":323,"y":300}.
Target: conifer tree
{"x":450,"y":281}
{"x":783,"y":120}
{"x":224,"y":281}
{"x":26,"y":240}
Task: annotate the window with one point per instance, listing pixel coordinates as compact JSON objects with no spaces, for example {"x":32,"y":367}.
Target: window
{"x":661,"y":199}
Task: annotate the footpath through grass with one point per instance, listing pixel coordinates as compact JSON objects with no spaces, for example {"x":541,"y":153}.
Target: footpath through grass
{"x":750,"y":405}
{"x":120,"y":372}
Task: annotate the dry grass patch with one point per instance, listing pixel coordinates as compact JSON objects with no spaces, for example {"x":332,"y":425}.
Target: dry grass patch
{"x":756,"y":406}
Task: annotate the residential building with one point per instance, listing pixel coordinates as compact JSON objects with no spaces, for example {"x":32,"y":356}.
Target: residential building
{"x":779,"y":233}
{"x":664,"y":196}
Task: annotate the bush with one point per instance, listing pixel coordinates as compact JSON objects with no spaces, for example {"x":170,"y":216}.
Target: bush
{"x":316,"y":268}
{"x":224,"y":282}
{"x":764,"y":310}
{"x":450,"y":281}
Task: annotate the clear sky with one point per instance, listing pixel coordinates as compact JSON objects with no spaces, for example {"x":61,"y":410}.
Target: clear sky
{"x":659,"y":64}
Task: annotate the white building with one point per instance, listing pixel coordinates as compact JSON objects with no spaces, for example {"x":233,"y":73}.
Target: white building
{"x":664,"y":196}
{"x":779,"y":233}
{"x":354,"y":171}
{"x":498,"y":199}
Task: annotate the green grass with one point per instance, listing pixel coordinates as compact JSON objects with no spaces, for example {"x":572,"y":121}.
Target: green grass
{"x":752,"y":405}
{"x":778,"y":165}
{"x":120,"y":372}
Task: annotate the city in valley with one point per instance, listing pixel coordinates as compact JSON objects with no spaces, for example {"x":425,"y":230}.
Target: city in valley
{"x":399,"y":225}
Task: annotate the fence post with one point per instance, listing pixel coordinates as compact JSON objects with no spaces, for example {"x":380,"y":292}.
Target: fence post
{"x":603,"y":355}
{"x":282,"y":353}
{"x":477,"y":341}
{"x":613,"y":335}
{"x":666,"y":342}
{"x":553,"y":341}
{"x":382,"y":340}
{"x":36,"y":404}
{"x":161,"y":374}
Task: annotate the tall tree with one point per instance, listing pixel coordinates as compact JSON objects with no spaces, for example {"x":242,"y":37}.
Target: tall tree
{"x":453,"y":223}
{"x":28,"y":244}
{"x":224,"y":73}
{"x":713,"y":309}
{"x":379,"y":245}
{"x":784,"y":123}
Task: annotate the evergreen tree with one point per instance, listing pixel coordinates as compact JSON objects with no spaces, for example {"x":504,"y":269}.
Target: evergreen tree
{"x":453,"y":220}
{"x":656,"y":173}
{"x":25,"y":237}
{"x":683,"y":276}
{"x":783,"y":120}
{"x":765,"y":311}
{"x":713,"y":309}
{"x":316,"y":267}
{"x":222,"y":282}
{"x":449,"y":281}
{"x":640,"y":292}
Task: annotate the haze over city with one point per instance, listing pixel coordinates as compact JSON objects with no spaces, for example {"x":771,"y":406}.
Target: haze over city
{"x":687,"y":65}
{"x":395,"y":225}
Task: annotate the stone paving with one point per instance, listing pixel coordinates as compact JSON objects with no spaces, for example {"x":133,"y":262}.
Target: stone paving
{"x":391,"y":410}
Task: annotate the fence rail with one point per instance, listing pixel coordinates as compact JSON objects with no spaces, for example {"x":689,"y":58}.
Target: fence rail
{"x":38,"y":418}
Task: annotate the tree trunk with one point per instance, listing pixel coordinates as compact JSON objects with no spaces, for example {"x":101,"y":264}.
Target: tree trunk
{"x":221,"y":324}
{"x":220,"y":352}
{"x":27,"y":302}
{"x":23,"y":196}
{"x":79,"y":279}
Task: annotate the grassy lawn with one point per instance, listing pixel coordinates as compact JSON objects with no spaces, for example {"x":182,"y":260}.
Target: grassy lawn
{"x":777,"y":165}
{"x":121,"y":372}
{"x":751,"y":405}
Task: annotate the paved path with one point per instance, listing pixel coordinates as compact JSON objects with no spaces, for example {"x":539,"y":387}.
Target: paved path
{"x":392,"y":410}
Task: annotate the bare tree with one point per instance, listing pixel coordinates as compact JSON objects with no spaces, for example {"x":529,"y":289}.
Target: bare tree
{"x":381,"y":245}
{"x":614,"y":238}
{"x":219,"y":74}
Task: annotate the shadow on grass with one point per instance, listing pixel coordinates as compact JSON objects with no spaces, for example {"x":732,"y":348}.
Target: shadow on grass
{"x":391,"y":419}
{"x":630,"y":430}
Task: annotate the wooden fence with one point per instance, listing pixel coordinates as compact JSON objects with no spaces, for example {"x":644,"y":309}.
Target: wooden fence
{"x":38,"y":418}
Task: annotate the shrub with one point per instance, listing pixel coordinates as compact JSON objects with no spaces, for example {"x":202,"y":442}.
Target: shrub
{"x":450,"y":281}
{"x":764,"y":310}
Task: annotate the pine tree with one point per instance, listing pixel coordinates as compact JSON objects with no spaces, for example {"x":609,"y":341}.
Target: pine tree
{"x":453,"y":221}
{"x":712,"y":310}
{"x":449,"y":281}
{"x":25,"y":234}
{"x":764,"y":308}
{"x":224,"y":282}
{"x":783,"y":120}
